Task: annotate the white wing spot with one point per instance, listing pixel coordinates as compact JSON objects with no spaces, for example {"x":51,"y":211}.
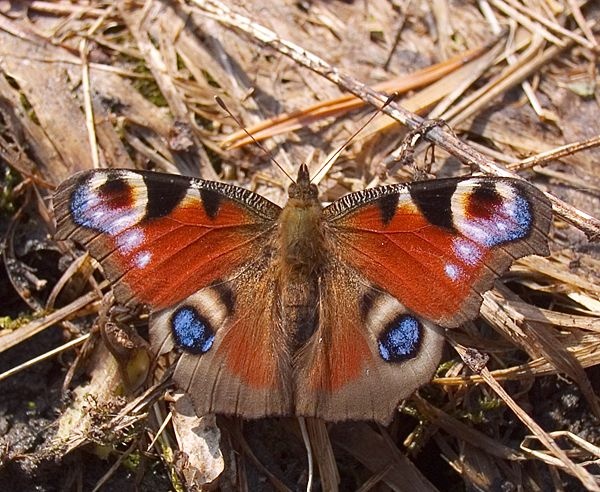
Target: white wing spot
{"x":130,"y":239}
{"x":452,"y":271}
{"x":142,"y":259}
{"x":467,"y":251}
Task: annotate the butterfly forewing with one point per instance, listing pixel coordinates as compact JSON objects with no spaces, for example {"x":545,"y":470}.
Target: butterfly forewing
{"x":438,"y":245}
{"x":162,"y":237}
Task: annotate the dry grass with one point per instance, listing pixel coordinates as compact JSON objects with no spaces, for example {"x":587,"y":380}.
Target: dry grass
{"x":129,"y":84}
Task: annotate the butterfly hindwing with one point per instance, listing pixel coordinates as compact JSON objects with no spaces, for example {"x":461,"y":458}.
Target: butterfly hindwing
{"x":438,"y":245}
{"x":368,"y":352}
{"x":234,"y":349}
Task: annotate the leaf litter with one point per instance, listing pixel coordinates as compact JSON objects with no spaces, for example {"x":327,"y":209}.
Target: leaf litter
{"x":132,"y":84}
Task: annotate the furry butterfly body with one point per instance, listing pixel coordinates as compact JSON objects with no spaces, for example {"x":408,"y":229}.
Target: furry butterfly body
{"x":333,"y":312}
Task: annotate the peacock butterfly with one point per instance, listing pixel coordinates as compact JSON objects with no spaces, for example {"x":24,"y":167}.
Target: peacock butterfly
{"x":333,"y":312}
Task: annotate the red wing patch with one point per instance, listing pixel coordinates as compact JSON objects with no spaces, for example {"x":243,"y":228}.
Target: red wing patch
{"x":340,"y":357}
{"x":256,"y":371}
{"x":183,"y":252}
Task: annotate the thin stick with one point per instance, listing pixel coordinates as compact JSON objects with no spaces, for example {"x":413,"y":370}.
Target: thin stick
{"x":47,"y":355}
{"x":86,"y":89}
{"x":554,"y":154}
{"x":114,"y":467}
{"x":87,"y":103}
{"x":306,"y":439}
{"x":83,"y":304}
{"x":162,"y":427}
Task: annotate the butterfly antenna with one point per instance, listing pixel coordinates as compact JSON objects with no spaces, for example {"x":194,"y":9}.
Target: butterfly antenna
{"x":221,"y":103}
{"x":345,"y":144}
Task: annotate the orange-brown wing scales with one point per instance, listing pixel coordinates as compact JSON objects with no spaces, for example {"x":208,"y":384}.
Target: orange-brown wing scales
{"x":340,"y":356}
{"x":235,"y":352}
{"x":161,"y":237}
{"x":203,"y":254}
{"x":258,"y":372}
{"x":438,"y":245}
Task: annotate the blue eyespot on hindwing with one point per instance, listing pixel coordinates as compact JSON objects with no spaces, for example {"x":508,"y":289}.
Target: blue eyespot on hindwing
{"x":191,"y":331}
{"x":400,"y":340}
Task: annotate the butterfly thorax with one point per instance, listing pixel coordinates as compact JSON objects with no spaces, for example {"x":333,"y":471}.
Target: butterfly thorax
{"x":301,"y":230}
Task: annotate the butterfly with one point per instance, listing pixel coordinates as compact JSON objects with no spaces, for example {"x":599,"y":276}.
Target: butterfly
{"x":334,"y":312}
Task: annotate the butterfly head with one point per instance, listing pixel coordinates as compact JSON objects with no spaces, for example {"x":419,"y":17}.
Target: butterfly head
{"x":303,"y":189}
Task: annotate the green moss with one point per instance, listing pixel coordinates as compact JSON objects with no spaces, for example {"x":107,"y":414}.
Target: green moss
{"x":489,"y":403}
{"x":132,"y":461}
{"x":8,"y":323}
{"x":444,"y":367}
{"x":9,"y":180}
{"x":484,"y":412}
{"x":148,"y":87}
{"x":168,"y":457}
